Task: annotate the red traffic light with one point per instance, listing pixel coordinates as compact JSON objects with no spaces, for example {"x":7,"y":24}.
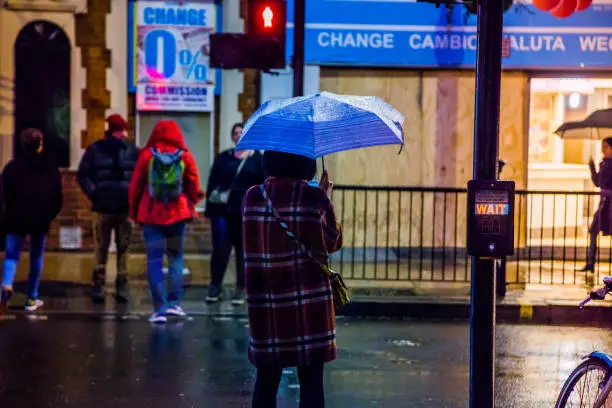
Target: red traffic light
{"x":267,"y":17}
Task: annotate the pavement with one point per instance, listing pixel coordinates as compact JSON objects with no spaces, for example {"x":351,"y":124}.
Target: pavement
{"x":533,"y":304}
{"x":102,"y":361}
{"x":66,"y":277}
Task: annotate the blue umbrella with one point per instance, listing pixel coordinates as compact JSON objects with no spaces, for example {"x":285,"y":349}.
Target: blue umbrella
{"x":322,"y":124}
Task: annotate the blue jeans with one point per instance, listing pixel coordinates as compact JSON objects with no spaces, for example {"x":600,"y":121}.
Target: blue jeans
{"x":13,"y":246}
{"x":160,"y":239}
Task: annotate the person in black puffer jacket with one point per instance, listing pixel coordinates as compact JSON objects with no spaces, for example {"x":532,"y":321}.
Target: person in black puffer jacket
{"x":32,"y":198}
{"x":104,"y":176}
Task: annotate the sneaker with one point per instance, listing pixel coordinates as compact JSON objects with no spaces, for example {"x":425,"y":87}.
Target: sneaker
{"x":238,"y":298}
{"x":176,"y":311}
{"x":214,"y":294}
{"x":33,"y":304}
{"x":158,"y":318}
{"x":5,"y":297}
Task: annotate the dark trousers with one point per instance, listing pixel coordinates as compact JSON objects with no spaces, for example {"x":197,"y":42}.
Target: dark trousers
{"x":592,"y":252}
{"x":311,"y":387}
{"x":103,"y":226}
{"x":226,"y":234}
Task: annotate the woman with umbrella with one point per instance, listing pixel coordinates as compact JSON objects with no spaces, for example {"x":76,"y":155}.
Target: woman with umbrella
{"x":287,"y":289}
{"x":602,"y":220}
{"x":289,"y":230}
{"x":596,"y":125}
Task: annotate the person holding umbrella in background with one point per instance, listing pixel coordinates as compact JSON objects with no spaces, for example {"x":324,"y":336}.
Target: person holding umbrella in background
{"x":597,"y":126}
{"x":602,"y":219}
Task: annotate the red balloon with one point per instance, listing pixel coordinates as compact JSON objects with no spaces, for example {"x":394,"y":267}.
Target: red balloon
{"x":565,"y":8}
{"x":546,"y":5}
{"x":583,"y":4}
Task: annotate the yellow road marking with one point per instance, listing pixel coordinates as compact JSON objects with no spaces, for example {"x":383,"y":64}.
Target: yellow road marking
{"x":526,"y":311}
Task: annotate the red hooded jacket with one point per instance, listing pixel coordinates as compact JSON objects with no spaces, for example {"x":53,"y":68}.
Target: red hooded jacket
{"x":166,"y":137}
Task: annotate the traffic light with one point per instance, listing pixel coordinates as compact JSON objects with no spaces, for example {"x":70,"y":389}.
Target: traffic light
{"x":263,"y":45}
{"x":267,"y":17}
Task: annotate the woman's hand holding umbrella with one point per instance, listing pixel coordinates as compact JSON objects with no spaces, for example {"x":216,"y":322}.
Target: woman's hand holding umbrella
{"x":325,"y":184}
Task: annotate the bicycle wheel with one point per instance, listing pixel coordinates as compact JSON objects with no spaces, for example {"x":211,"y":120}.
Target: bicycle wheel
{"x":584,"y":385}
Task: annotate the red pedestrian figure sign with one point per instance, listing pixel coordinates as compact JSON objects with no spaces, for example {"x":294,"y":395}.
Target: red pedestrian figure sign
{"x":267,"y":15}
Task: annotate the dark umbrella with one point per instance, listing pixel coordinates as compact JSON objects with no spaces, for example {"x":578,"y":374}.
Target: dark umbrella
{"x":598,"y":125}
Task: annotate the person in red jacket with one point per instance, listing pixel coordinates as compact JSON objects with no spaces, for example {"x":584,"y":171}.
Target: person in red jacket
{"x":163,"y":193}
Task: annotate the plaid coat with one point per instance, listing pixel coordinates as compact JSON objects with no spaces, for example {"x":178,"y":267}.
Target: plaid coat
{"x":289,"y":299}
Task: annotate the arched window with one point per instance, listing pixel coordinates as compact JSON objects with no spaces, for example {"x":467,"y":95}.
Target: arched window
{"x":42,"y":87}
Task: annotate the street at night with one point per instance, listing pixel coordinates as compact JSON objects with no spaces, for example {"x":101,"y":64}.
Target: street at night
{"x":95,"y":362}
{"x":366,"y":203}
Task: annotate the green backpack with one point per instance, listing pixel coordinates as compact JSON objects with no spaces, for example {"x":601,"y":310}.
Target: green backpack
{"x":166,"y":175}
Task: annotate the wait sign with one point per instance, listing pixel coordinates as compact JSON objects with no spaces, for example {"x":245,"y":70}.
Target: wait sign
{"x":490,"y":218}
{"x":492,"y":209}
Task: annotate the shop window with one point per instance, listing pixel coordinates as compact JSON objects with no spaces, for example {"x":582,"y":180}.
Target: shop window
{"x":42,"y":87}
{"x":558,"y":100}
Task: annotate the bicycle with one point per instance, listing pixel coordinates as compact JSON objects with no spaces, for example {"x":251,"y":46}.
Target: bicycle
{"x":598,"y":364}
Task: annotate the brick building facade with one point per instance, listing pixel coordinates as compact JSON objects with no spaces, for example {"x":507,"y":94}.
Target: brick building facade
{"x":98,"y":81}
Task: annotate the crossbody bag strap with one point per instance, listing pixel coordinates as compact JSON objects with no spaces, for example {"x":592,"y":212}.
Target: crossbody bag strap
{"x":285,"y":227}
{"x":240,"y":167}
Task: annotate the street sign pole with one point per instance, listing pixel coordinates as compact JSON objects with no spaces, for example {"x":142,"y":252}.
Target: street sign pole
{"x":299,"y":22}
{"x":486,"y":134}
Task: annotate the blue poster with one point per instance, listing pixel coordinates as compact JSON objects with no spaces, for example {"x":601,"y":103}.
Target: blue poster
{"x":410,"y":34}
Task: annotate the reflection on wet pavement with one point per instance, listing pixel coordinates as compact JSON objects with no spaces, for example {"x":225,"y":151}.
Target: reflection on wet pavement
{"x":99,"y":361}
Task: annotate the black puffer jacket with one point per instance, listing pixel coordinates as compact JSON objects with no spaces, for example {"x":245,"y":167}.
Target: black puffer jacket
{"x":31,"y":193}
{"x":105,"y":173}
{"x":223,"y":176}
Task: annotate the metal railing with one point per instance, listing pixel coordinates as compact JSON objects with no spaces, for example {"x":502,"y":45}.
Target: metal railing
{"x":419,"y":234}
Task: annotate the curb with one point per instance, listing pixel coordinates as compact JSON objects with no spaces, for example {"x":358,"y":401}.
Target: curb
{"x":509,"y":313}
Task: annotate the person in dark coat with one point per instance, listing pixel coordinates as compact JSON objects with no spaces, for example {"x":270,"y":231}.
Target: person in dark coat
{"x":289,"y":296}
{"x":602,"y":220}
{"x":232,"y":174}
{"x":104,"y":176}
{"x":32,"y":198}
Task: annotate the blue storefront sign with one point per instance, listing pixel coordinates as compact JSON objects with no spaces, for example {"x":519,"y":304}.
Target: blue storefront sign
{"x":409,"y":34}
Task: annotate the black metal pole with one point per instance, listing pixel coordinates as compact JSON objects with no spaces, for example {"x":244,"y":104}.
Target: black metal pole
{"x":486,"y":134}
{"x":299,"y":23}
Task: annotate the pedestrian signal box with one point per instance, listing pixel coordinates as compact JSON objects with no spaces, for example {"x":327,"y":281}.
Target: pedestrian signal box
{"x":490,"y":227}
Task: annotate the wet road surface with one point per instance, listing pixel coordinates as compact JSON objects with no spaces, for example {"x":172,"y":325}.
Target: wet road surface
{"x":95,"y":362}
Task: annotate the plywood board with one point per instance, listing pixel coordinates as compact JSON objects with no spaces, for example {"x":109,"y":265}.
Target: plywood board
{"x":439,"y":134}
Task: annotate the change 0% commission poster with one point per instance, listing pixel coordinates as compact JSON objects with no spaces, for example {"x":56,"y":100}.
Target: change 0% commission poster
{"x":173,"y":49}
